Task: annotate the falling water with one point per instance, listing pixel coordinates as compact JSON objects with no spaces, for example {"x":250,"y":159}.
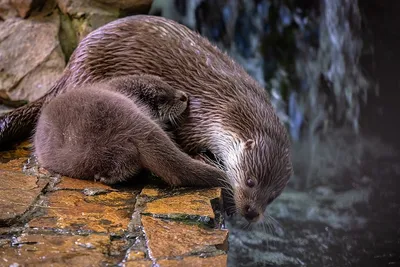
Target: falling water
{"x":333,"y":85}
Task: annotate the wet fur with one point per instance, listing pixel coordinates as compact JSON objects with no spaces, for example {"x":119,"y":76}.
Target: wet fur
{"x":98,"y":133}
{"x":229,"y":113}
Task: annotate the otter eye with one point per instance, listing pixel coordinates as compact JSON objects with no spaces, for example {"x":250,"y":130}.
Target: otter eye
{"x":250,"y":183}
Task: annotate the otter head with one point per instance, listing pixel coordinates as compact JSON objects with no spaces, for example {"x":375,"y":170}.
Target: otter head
{"x":171,"y":104}
{"x":261,"y":172}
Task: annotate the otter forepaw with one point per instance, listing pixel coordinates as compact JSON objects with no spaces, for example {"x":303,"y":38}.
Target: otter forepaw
{"x":105,"y":180}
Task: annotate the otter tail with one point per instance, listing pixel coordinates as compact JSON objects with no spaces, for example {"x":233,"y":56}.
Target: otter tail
{"x":19,"y":123}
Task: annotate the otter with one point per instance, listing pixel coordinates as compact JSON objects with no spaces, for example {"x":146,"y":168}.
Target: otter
{"x":166,"y":104}
{"x":99,"y":133}
{"x":229,"y":113}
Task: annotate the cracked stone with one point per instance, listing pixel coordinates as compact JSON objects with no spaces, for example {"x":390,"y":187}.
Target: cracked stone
{"x":21,"y":151}
{"x":196,"y":203}
{"x":216,"y":261}
{"x":17,"y":193}
{"x":172,"y":238}
{"x":72,"y":210}
{"x":135,"y":255}
{"x":73,"y":183}
{"x":151,"y":192}
{"x":139,"y":263}
{"x":57,"y":250}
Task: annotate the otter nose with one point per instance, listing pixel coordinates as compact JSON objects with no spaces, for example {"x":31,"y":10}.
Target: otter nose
{"x":250,"y":213}
{"x":183,"y":98}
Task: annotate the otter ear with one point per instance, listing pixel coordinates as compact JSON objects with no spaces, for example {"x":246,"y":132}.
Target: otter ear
{"x":249,"y":144}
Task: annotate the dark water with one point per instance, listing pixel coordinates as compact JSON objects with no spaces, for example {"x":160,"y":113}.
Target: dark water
{"x":352,"y":217}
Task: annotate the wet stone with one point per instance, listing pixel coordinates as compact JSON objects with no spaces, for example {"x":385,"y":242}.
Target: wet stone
{"x":216,"y":261}
{"x":58,"y":250}
{"x":17,"y":193}
{"x":193,"y":204}
{"x":72,"y":210}
{"x":172,"y":238}
{"x":135,"y":255}
{"x":15,"y":165}
{"x":139,"y":263}
{"x":21,"y":150}
{"x":151,"y":192}
{"x":80,"y":184}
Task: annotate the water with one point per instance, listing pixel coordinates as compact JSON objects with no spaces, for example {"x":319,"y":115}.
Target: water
{"x":341,"y":207}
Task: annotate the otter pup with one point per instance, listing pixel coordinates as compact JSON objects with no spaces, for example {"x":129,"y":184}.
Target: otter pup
{"x":165,"y":103}
{"x":101,"y":133}
{"x":229,"y":113}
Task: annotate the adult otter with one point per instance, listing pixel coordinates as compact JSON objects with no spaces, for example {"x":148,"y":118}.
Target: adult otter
{"x":101,"y":133}
{"x":229,"y":114}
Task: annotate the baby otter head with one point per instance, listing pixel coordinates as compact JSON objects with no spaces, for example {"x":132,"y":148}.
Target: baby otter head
{"x":170,"y":104}
{"x":263,"y":169}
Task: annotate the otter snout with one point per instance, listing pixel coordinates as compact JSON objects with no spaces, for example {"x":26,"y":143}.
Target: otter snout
{"x":250,"y":213}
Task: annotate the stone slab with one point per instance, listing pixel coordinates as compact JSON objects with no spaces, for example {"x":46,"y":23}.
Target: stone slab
{"x":172,"y":238}
{"x":20,"y":151}
{"x":216,"y":261}
{"x":72,"y":210}
{"x":17,"y":193}
{"x":57,"y":250}
{"x":193,"y":203}
{"x":73,"y":183}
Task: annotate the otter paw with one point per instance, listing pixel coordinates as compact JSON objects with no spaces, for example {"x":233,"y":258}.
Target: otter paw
{"x":105,"y":180}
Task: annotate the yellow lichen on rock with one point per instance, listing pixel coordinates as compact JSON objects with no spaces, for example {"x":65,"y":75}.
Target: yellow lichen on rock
{"x":166,"y":238}
{"x":196,"y":203}
{"x":72,"y":210}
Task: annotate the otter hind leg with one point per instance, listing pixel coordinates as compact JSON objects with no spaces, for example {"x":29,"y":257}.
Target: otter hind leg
{"x":122,"y":165}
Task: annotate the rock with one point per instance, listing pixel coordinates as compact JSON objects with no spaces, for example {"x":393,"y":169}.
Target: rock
{"x":88,"y":15}
{"x":73,"y":211}
{"x":20,"y":151}
{"x":58,"y":250}
{"x":84,"y":25}
{"x":31,"y":59}
{"x":7,"y":10}
{"x":17,"y":193}
{"x":193,"y":204}
{"x":79,"y":7}
{"x":172,"y":238}
{"x":21,"y":8}
{"x":216,"y":261}
{"x":139,"y":263}
{"x":73,"y":183}
{"x":24,"y":7}
{"x":135,"y":6}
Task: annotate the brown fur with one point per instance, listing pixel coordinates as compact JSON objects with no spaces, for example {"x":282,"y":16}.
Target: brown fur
{"x":102,"y":134}
{"x":166,"y":104}
{"x":229,"y":112}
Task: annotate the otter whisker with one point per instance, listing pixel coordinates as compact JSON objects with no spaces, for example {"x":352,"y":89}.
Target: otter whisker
{"x":273,"y":225}
{"x":274,"y":221}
